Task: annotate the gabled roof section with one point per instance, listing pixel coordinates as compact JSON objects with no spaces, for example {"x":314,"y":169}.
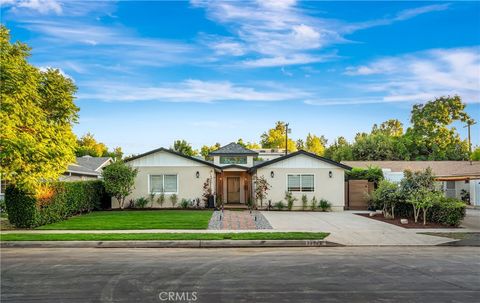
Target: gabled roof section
{"x":300,"y":152}
{"x":173,"y":153}
{"x":235,"y":166}
{"x":233,"y":149}
{"x":93,"y":163}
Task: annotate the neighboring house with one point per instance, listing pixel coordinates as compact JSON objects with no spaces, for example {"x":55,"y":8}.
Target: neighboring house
{"x":86,"y":168}
{"x":232,"y":173}
{"x":266,"y":154}
{"x":454,"y":176}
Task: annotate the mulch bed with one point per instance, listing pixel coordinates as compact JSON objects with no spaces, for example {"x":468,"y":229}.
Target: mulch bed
{"x":411,"y":223}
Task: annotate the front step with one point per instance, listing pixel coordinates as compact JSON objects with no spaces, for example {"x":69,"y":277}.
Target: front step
{"x":238,"y":206}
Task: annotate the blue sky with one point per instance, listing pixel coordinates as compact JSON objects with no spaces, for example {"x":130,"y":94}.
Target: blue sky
{"x":207,"y":71}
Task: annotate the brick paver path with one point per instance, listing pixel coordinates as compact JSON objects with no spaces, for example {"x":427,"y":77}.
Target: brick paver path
{"x":237,"y":220}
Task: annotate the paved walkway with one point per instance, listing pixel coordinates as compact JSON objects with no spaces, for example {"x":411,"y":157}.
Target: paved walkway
{"x":232,"y":220}
{"x":350,"y":229}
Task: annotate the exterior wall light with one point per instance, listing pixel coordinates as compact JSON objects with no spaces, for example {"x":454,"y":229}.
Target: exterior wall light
{"x":197,"y":174}
{"x":330,"y":174}
{"x":272,"y":174}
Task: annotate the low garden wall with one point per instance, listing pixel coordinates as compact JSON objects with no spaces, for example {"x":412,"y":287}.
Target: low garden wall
{"x":54,"y":202}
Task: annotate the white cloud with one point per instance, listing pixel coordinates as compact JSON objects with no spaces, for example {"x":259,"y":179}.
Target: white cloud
{"x":424,"y":75}
{"x":277,"y":33}
{"x":186,"y":91}
{"x":40,"y":6}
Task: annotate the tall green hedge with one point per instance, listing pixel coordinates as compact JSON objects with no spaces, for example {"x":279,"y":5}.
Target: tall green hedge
{"x":69,"y":198}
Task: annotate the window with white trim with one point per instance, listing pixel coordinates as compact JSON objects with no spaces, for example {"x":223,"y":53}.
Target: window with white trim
{"x":301,"y":183}
{"x":163,"y":183}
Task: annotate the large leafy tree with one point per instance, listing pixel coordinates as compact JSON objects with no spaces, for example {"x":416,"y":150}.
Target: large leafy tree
{"x":275,"y":138}
{"x":391,"y":128}
{"x":431,"y":137}
{"x":183,"y":147}
{"x":205,"y":150}
{"x":340,"y":150}
{"x":88,"y":145}
{"x":315,"y":144}
{"x":37,"y":112}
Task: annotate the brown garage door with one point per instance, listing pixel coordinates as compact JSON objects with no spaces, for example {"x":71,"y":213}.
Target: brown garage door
{"x":358,"y":191}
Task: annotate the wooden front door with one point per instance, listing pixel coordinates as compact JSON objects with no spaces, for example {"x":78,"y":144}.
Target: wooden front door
{"x":233,"y":189}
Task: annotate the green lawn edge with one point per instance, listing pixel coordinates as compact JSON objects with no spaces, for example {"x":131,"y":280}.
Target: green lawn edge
{"x":165,"y":236}
{"x":137,"y":219}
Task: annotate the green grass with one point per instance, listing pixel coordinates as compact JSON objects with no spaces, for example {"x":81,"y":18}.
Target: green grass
{"x":166,"y":236}
{"x":138,"y":219}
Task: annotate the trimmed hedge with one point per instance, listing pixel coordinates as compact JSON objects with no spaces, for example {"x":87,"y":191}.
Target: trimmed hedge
{"x":69,"y":198}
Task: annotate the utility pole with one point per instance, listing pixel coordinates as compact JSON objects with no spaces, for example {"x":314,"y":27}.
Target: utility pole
{"x":286,"y":138}
{"x":469,"y":123}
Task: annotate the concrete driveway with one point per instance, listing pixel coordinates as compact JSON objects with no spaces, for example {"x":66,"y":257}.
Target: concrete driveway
{"x":350,"y":229}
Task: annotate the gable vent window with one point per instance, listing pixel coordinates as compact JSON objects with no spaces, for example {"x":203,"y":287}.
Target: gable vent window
{"x":301,"y":183}
{"x":163,"y":183}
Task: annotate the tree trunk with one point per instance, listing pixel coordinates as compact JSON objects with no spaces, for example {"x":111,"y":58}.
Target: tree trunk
{"x":416,"y":212}
{"x":393,"y":211}
{"x":122,"y":201}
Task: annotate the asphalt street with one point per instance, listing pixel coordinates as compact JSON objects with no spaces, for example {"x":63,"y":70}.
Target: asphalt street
{"x":340,"y":274}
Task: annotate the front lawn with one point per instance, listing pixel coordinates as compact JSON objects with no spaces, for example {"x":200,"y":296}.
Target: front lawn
{"x":166,"y":236}
{"x":138,"y":219}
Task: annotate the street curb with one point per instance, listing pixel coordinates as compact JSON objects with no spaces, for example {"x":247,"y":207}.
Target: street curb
{"x":169,"y":244}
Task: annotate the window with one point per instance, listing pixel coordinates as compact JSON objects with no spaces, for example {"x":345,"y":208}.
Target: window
{"x":163,"y":183}
{"x":301,"y":183}
{"x":233,"y":160}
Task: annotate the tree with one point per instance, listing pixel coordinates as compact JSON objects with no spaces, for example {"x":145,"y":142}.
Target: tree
{"x":206,"y":150}
{"x":253,"y":145}
{"x":37,"y":112}
{"x":88,"y":145}
{"x":379,"y":146}
{"x":340,"y":150}
{"x":119,"y":180}
{"x":423,"y":199}
{"x":315,"y":144}
{"x":275,"y":138}
{"x":475,"y":156}
{"x":300,"y":144}
{"x":386,"y":196}
{"x":261,"y":189}
{"x":391,"y":128}
{"x":430,"y":137}
{"x":183,"y":147}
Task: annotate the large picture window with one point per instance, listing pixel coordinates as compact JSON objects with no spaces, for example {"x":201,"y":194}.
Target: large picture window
{"x":233,"y":160}
{"x":301,"y":183}
{"x":163,"y":183}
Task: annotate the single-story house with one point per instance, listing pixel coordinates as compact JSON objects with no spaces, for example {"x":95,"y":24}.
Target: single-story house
{"x":455,"y":177}
{"x":86,"y":168}
{"x":232,"y":175}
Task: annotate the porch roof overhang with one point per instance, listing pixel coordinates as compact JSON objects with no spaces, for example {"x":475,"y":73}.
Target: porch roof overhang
{"x":234,"y":167}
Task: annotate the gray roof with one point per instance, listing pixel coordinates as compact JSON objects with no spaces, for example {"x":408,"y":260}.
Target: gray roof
{"x":233,"y":149}
{"x":88,"y":165}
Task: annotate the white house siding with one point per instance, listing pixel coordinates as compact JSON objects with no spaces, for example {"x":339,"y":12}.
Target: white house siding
{"x":160,"y":163}
{"x":475,"y":193}
{"x":331,"y":189}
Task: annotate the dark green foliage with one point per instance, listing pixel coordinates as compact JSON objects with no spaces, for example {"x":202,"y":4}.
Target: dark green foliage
{"x":372,"y":174}
{"x":20,"y":207}
{"x":141,"y":202}
{"x":69,"y":199}
{"x":279,"y":205}
{"x":184,"y":203}
{"x":324,"y":205}
{"x":448,"y":211}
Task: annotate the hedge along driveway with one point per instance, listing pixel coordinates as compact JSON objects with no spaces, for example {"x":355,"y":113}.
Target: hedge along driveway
{"x":138,"y":219}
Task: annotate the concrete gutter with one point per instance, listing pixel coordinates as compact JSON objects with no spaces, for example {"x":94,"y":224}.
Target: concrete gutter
{"x":169,"y":244}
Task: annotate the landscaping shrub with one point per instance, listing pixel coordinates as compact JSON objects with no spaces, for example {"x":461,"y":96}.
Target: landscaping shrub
{"x":314,"y":202}
{"x":324,"y":205}
{"x":290,"y":200}
{"x":185,"y":203}
{"x":173,"y":200}
{"x":279,"y":205}
{"x":20,"y":207}
{"x":447,"y":211}
{"x":141,"y":202}
{"x":304,"y":202}
{"x":53,"y":202}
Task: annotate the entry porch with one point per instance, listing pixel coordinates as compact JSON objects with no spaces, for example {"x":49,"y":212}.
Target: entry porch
{"x":234,"y":186}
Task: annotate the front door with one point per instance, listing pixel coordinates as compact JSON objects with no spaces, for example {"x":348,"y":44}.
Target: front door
{"x":233,"y":189}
